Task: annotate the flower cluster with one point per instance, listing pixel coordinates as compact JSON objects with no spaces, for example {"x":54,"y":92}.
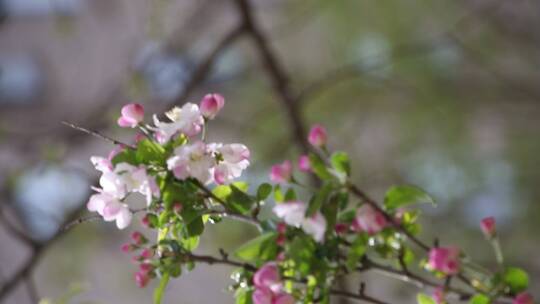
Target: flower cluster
{"x":313,"y":235}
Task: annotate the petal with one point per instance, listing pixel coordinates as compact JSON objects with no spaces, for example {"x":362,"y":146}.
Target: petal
{"x":123,"y":219}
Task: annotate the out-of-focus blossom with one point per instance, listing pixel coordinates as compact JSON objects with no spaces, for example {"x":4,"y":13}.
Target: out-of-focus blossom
{"x":444,"y":259}
{"x":293,"y":213}
{"x":268,"y":286}
{"x":317,"y":136}
{"x":132,"y":115}
{"x":141,"y":278}
{"x":341,"y":228}
{"x":369,"y":220}
{"x":211,"y":104}
{"x":439,"y":295}
{"x":281,"y":173}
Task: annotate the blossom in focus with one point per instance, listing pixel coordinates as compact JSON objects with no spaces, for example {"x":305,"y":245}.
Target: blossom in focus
{"x":232,"y":160}
{"x":192,"y":161}
{"x":281,"y":173}
{"x":293,"y":213}
{"x":488,"y":226}
{"x":268,"y":286}
{"x":187,"y":120}
{"x":211,"y":104}
{"x":444,"y":259}
{"x":523,"y":298}
{"x":369,"y":220}
{"x":132,"y":115}
{"x":110,"y":208}
{"x":317,"y":136}
{"x":304,"y":164}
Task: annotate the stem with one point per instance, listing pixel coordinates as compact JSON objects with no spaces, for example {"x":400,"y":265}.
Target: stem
{"x":97,"y":134}
{"x":498,"y":252}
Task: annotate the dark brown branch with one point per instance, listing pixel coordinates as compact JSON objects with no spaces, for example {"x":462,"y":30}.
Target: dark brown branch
{"x":211,"y":260}
{"x":276,"y":73}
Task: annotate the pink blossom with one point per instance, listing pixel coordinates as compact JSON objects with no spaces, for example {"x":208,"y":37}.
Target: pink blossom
{"x":192,"y":160}
{"x":141,"y":278}
{"x":132,"y":115}
{"x":523,"y":298}
{"x":187,"y":120}
{"x":438,"y":295}
{"x":304,"y":164}
{"x":444,"y":259}
{"x":268,"y":276}
{"x":293,"y":213}
{"x":317,"y":136}
{"x":369,"y":220}
{"x":110,"y":209}
{"x":488,"y":226}
{"x":211,"y":104}
{"x":232,"y":160}
{"x":281,"y":173}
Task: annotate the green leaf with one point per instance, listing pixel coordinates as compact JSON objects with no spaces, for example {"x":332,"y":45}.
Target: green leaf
{"x":424,"y":299}
{"x":261,"y":248}
{"x":319,"y":168}
{"x":357,"y":250}
{"x":480,"y":299}
{"x":318,"y":199}
{"x":290,"y":195}
{"x":301,"y":251}
{"x":516,"y":279}
{"x":243,"y":296}
{"x":150,"y":152}
{"x":400,"y":196}
{"x":340,"y":162}
{"x":126,"y":156}
{"x":278,"y":195}
{"x":264,"y":191}
{"x":191,"y":243}
{"x":239,"y":201}
{"x":158,"y":293}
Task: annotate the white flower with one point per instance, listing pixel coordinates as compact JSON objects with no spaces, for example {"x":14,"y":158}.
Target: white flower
{"x":187,"y":120}
{"x":192,"y":160}
{"x":293,"y":213}
{"x":233,"y":159}
{"x":110,"y":208}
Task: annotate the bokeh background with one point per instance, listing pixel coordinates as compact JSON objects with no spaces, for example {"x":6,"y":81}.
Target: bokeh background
{"x":441,"y":94}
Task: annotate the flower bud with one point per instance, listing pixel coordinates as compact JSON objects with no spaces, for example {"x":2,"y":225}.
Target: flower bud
{"x":281,"y":239}
{"x":132,"y":115}
{"x":281,"y":173}
{"x":341,"y":228}
{"x":211,"y":104}
{"x":146,"y":267}
{"x":488,"y":226}
{"x":141,"y":278}
{"x":177,"y":207}
{"x":138,"y":238}
{"x":281,"y":228}
{"x":317,"y":136}
{"x":147,"y":253}
{"x":304,"y":164}
{"x":523,"y":298}
{"x":444,"y":259}
{"x":127,"y":248}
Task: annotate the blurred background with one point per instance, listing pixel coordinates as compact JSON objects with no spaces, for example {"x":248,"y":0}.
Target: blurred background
{"x":441,"y":94}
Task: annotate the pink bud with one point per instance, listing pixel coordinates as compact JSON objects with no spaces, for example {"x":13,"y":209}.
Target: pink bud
{"x":281,"y":228}
{"x":177,"y":207}
{"x":281,"y":256}
{"x":438,"y":295}
{"x":444,"y":259}
{"x":317,"y":136}
{"x":488,"y":226}
{"x":146,"y":267}
{"x":267,"y":276}
{"x":281,"y":173}
{"x":211,"y":104}
{"x":523,"y":298}
{"x":138,"y":238}
{"x":127,"y":248}
{"x":141,"y":278}
{"x":132,"y":115}
{"x":341,"y":228}
{"x":281,"y":239}
{"x":262,"y":296}
{"x":369,"y":220}
{"x":146,"y":221}
{"x":304,"y":164}
{"x":147,"y":253}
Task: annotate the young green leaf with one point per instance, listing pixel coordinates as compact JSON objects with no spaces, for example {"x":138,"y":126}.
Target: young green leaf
{"x":357,"y":250}
{"x":480,"y":299}
{"x":400,"y":196}
{"x":516,"y":279}
{"x":318,"y":199}
{"x":424,"y":299}
{"x":126,"y":156}
{"x":261,"y":248}
{"x":340,"y":162}
{"x":264,"y":191}
{"x":318,"y":167}
{"x":150,"y":152}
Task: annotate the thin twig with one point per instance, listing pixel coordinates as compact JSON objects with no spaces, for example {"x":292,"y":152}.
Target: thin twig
{"x":95,"y":217}
{"x":97,"y":134}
